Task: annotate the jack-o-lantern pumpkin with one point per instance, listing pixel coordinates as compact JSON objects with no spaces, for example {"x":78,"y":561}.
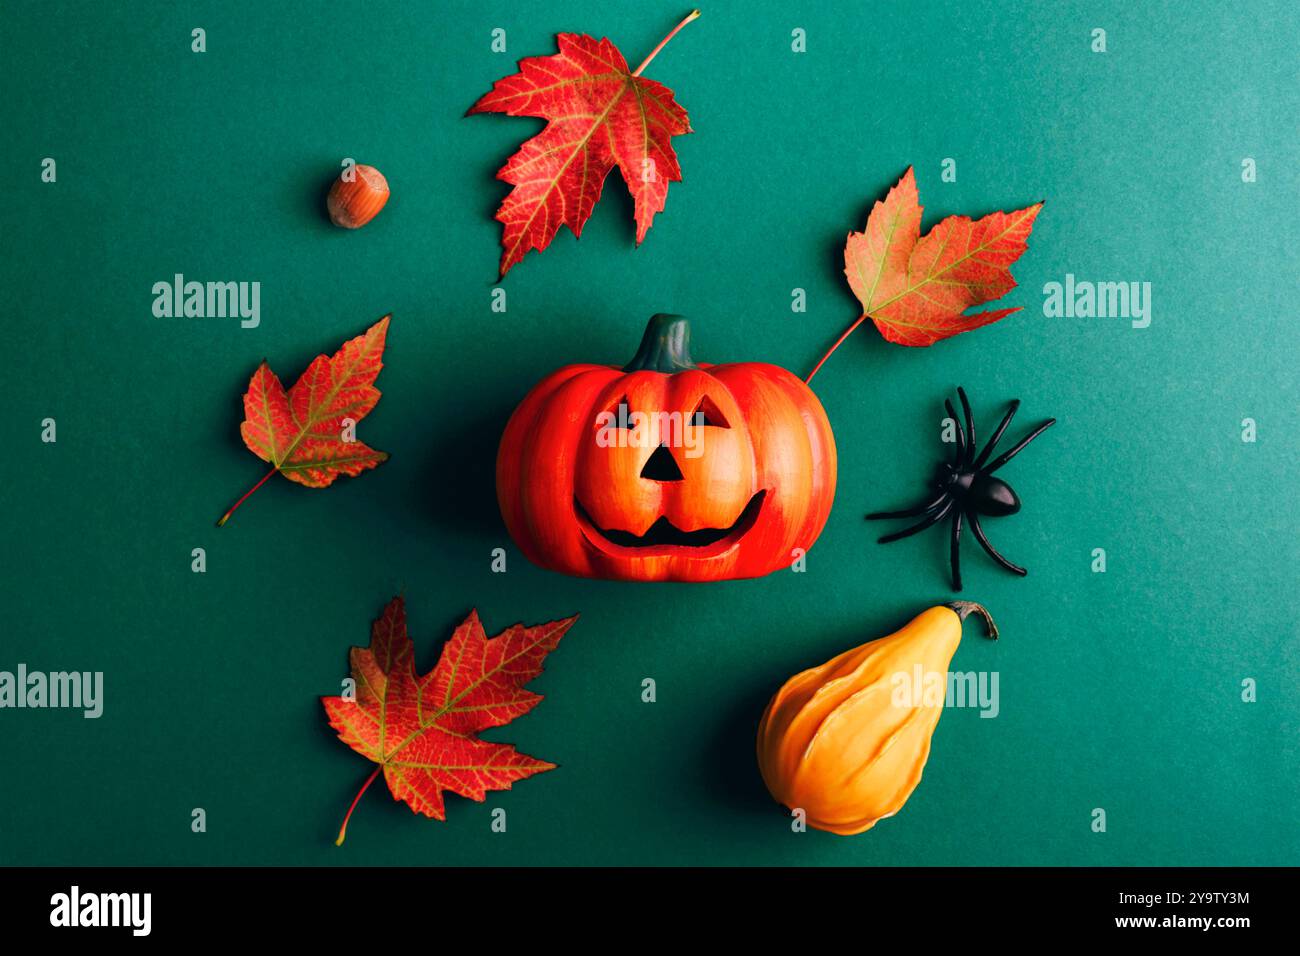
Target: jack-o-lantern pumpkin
{"x":665,"y":470}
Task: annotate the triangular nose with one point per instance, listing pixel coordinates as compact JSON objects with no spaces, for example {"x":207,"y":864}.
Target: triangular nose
{"x":661,"y":466}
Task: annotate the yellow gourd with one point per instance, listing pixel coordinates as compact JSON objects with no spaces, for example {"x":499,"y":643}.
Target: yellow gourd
{"x":840,"y":743}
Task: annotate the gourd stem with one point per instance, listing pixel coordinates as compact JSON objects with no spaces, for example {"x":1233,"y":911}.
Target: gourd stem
{"x":963,"y":608}
{"x":665,"y":347}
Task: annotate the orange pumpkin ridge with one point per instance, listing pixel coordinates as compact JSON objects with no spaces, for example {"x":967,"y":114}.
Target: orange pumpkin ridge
{"x":667,"y":470}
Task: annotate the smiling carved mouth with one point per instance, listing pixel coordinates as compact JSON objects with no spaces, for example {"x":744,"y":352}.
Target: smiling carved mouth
{"x":663,"y":534}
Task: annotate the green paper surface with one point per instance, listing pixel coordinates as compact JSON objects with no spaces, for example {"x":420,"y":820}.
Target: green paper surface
{"x":1119,"y":690}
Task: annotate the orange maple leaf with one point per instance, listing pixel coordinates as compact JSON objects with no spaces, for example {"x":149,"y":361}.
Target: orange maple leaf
{"x":422,"y":731}
{"x":600,"y":114}
{"x":306,"y":432}
{"x":915,"y":288}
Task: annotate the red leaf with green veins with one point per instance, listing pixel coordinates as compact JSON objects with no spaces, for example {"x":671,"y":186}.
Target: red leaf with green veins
{"x":304,"y":433}
{"x":917,"y":288}
{"x":422,"y":731}
{"x":600,"y":114}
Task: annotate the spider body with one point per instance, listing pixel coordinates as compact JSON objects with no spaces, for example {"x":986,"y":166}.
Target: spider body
{"x":966,"y":488}
{"x":987,"y":495}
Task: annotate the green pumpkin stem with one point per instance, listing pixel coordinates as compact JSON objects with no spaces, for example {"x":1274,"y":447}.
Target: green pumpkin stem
{"x":665,"y":347}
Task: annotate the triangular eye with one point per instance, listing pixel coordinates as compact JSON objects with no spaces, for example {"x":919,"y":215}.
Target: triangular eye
{"x":706,"y":413}
{"x":622,"y":413}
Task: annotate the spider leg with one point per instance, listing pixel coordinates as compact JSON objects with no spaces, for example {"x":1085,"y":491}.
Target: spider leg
{"x":955,"y":556}
{"x":997,"y":434}
{"x":959,"y":453}
{"x":1007,"y":456}
{"x":970,"y":423}
{"x":920,"y":525}
{"x":910,"y":512}
{"x":982,"y":538}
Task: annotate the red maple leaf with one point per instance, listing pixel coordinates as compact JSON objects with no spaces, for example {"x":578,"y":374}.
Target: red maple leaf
{"x":600,"y":114}
{"x":306,"y":433}
{"x":917,"y":288}
{"x":422,"y":731}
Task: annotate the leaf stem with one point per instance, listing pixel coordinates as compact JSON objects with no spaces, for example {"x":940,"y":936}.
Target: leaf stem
{"x":343,"y":830}
{"x":831,"y":351}
{"x":226,"y":517}
{"x":664,"y":42}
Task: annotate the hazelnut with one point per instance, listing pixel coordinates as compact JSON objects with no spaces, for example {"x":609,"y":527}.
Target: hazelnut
{"x":354,"y":203}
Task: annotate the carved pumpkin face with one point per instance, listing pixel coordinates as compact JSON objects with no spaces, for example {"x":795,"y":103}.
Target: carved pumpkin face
{"x":664,"y":470}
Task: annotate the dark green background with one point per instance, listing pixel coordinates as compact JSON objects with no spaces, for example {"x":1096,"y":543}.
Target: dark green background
{"x":1118,"y":690}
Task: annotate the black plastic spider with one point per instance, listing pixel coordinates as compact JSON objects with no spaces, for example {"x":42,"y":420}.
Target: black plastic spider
{"x":967,"y":488}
